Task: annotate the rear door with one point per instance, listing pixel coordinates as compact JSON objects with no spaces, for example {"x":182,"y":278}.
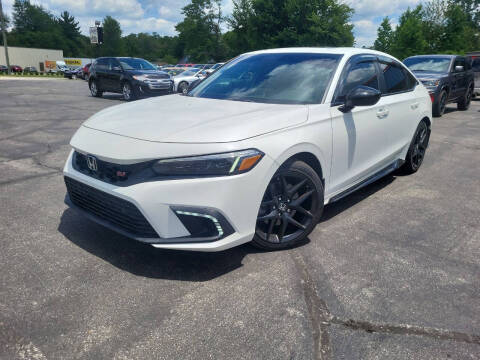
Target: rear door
{"x":399,"y":96}
{"x":360,"y":136}
{"x":476,"y":70}
{"x":113,"y":74}
{"x":101,"y":69}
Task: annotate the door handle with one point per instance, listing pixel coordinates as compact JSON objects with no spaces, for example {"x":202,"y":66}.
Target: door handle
{"x":414,"y":106}
{"x":382,"y":113}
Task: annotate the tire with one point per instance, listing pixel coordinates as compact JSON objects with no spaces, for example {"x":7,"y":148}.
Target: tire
{"x":94,"y":90}
{"x":291,"y":207}
{"x":417,"y":149}
{"x":439,"y":107}
{"x":183,"y":87}
{"x":128,"y":92}
{"x":466,"y":99}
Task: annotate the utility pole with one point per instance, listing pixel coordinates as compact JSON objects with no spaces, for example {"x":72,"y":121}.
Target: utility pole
{"x":4,"y":34}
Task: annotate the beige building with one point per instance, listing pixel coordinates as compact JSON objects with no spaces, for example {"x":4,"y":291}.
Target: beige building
{"x":30,"y":56}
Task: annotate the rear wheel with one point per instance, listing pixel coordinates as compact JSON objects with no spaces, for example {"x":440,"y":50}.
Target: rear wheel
{"x":418,"y":147}
{"x":94,"y":90}
{"x":464,"y":102}
{"x":291,"y":207}
{"x":440,"y":105}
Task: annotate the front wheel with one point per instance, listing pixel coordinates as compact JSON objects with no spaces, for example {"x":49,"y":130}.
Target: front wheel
{"x":291,"y":207}
{"x":94,"y":90}
{"x":418,"y":147}
{"x":183,"y":87}
{"x":440,"y":105}
{"x":128,"y":92}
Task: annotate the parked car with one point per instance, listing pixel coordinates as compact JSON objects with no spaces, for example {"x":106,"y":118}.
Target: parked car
{"x":16,"y":69}
{"x":3,"y":69}
{"x":252,"y":153}
{"x":30,"y":70}
{"x":131,"y":77}
{"x":54,"y":67}
{"x":173,"y":71}
{"x":86,"y":71}
{"x":449,"y":79}
{"x":183,"y":80}
{"x":476,"y":71}
{"x":73,"y":73}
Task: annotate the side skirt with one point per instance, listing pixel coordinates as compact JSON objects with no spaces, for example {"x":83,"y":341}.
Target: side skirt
{"x":386,"y":170}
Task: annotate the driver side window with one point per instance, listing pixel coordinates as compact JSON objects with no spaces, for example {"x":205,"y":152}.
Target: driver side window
{"x":363,"y":72}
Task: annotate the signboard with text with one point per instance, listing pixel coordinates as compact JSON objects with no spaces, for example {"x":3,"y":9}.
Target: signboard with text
{"x":94,"y":35}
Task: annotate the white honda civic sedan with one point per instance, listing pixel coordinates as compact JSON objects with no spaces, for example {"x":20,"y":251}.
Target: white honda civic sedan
{"x":253,"y":153}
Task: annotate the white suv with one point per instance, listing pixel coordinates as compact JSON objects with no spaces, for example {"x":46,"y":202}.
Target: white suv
{"x":254,"y":152}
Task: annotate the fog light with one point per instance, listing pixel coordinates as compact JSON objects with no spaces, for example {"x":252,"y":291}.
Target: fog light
{"x":205,"y":216}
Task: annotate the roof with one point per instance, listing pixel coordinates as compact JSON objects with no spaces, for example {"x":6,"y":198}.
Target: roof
{"x":450,"y":56}
{"x":321,"y":50}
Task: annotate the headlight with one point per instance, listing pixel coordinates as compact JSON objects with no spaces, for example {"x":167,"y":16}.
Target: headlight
{"x":140,"y":77}
{"x":210,"y":165}
{"x":431,"y":83}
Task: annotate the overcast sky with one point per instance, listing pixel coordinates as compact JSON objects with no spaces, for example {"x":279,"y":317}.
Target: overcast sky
{"x":162,"y":15}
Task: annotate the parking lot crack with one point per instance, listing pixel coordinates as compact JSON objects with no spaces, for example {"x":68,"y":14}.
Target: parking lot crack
{"x":405,"y":329}
{"x":317,"y":309}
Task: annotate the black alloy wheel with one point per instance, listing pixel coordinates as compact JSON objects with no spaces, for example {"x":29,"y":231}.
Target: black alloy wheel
{"x":442,"y":103}
{"x":418,"y":147}
{"x":291,"y":207}
{"x":464,"y":103}
{"x":94,"y":89}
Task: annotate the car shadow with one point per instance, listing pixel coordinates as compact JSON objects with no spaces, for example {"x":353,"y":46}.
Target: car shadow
{"x":144,"y":260}
{"x":347,"y":202}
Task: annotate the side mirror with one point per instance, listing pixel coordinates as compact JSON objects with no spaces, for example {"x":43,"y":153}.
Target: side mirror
{"x":360,"y":96}
{"x":459,"y":68}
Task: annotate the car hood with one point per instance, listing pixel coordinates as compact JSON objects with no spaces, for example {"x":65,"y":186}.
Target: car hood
{"x":183,"y":119}
{"x":423,"y":75}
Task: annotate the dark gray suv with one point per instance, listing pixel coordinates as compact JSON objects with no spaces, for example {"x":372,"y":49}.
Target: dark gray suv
{"x":131,"y":77}
{"x":448,"y":78}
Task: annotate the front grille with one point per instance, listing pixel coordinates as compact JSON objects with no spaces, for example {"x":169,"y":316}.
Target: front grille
{"x":118,"y":212}
{"x":117,"y":174}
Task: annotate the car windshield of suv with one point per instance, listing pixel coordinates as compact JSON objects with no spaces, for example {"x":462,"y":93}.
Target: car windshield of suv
{"x":435,"y":64}
{"x":136,"y":64}
{"x":276,"y":78}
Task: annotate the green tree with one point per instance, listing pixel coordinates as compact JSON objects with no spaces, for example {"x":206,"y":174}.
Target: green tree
{"x":460,"y":34}
{"x":384,"y":36}
{"x":260,"y":24}
{"x":71,"y":33}
{"x":409,"y":38}
{"x":199,"y":32}
{"x":112,"y":38}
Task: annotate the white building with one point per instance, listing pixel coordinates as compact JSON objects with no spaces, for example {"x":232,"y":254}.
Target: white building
{"x":30,"y":56}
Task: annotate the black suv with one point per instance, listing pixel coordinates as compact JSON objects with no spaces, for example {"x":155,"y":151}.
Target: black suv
{"x":131,"y":77}
{"x":448,"y":78}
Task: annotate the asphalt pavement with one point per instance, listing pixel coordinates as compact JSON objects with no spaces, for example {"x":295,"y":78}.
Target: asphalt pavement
{"x":391,"y":272}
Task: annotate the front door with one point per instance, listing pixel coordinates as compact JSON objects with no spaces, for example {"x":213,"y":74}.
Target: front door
{"x":360,"y":136}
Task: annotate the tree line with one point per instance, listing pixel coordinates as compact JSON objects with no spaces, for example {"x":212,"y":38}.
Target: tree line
{"x":438,"y":26}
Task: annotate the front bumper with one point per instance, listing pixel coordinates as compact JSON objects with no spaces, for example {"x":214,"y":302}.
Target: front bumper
{"x":154,"y":87}
{"x":232,"y":200}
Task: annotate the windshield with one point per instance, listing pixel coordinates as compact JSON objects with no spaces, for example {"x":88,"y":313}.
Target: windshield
{"x":190,"y":72}
{"x":216,"y":66}
{"x":136,"y":64}
{"x":279,"y":78}
{"x":436,"y":64}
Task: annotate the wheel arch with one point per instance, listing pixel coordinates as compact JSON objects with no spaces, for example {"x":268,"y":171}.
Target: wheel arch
{"x":308,"y":153}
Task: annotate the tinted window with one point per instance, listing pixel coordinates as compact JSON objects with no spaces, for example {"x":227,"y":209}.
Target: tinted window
{"x":360,"y":73}
{"x":101,"y":64}
{"x":459,"y":62}
{"x":113,"y":63}
{"x":476,"y":64}
{"x":136,"y":64}
{"x":281,"y":78}
{"x":396,"y":79}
